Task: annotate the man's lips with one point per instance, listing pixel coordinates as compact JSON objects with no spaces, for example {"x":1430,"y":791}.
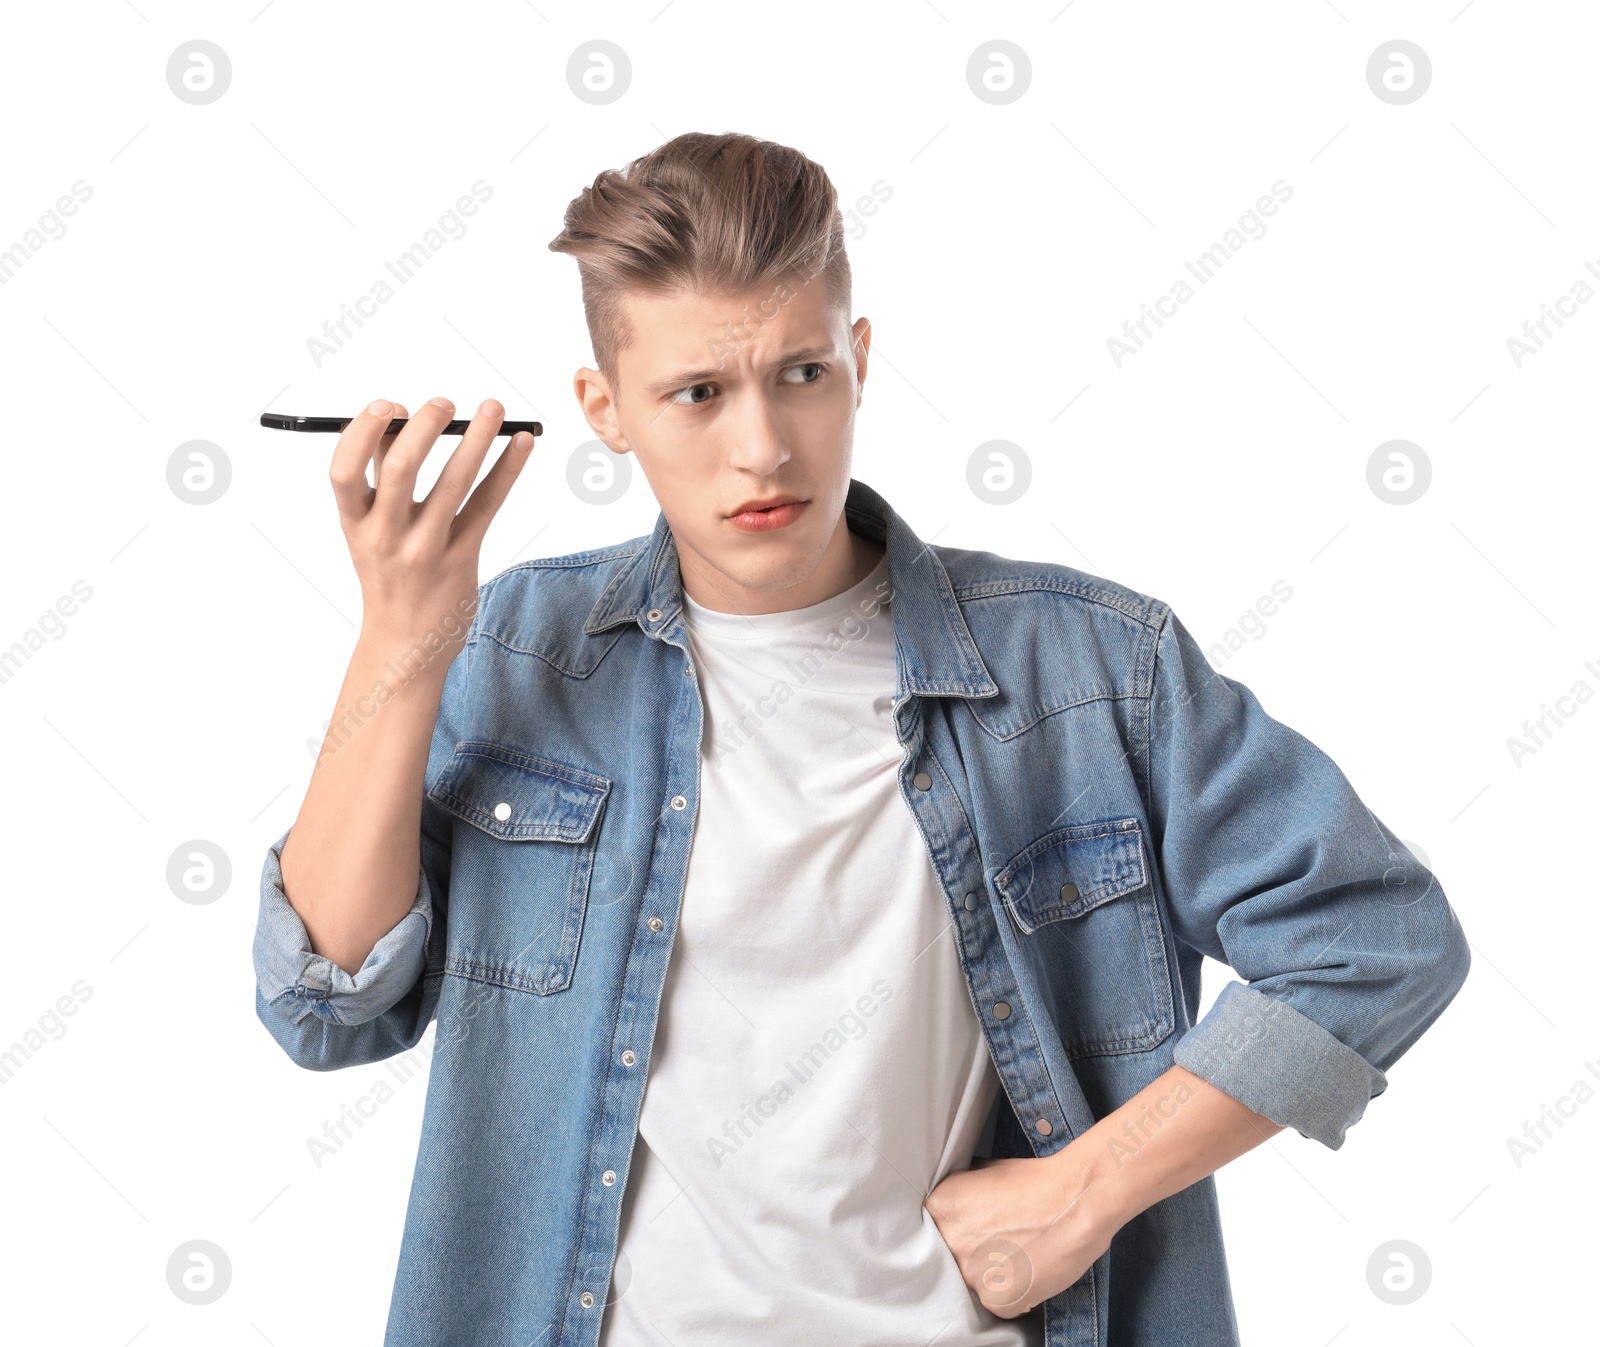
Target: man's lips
{"x":763,"y":520}
{"x":768,"y":503}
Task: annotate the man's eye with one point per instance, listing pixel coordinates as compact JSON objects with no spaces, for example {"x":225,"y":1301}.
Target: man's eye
{"x":685,"y":397}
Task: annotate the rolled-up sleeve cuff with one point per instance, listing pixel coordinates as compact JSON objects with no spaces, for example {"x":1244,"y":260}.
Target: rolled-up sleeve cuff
{"x":286,"y":966}
{"x":1280,"y":1063}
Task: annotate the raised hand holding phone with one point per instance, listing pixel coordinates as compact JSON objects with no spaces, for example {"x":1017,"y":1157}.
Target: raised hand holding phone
{"x":417,"y":561}
{"x":351,"y":860}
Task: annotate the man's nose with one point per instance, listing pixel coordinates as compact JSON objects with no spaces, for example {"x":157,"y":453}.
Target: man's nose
{"x":758,"y":441}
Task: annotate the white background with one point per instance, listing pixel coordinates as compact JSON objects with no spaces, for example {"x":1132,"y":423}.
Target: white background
{"x":1227,"y":454}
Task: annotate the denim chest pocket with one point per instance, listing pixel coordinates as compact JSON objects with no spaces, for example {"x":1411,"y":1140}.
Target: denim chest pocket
{"x":1083,"y":897}
{"x":519,"y":874}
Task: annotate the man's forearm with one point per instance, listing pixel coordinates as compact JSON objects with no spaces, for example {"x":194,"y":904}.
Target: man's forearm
{"x":350,"y":861}
{"x":1172,"y":1133}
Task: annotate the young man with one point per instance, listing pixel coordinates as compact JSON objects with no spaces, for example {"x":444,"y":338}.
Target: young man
{"x":813,"y":916}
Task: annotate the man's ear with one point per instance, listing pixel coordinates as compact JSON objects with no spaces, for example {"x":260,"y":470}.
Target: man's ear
{"x":593,"y":391}
{"x":860,"y":341}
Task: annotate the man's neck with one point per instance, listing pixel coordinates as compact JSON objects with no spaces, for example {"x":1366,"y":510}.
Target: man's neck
{"x":861,"y":555}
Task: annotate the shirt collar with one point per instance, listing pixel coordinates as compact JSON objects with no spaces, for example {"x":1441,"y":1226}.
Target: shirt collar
{"x":935,"y":647}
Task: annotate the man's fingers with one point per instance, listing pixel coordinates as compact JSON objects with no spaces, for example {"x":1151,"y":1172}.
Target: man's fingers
{"x":398,"y":413}
{"x":356,"y":446}
{"x":461,"y":469}
{"x":397,"y":483}
{"x":473,"y":521}
{"x":396,"y":461}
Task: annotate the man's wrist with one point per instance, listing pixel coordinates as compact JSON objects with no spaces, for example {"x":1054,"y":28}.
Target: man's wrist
{"x":1097,"y":1196}
{"x":1175,"y":1131}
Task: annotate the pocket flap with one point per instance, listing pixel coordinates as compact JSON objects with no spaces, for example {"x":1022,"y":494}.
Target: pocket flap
{"x":516,"y":797}
{"x":1069,"y":871}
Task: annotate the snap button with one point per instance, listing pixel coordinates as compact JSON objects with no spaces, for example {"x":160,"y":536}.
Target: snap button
{"x":922,"y":781}
{"x":1043,"y":1128}
{"x":502,"y":811}
{"x":970,"y":902}
{"x":654,"y":615}
{"x":678,"y":802}
{"x":1002,"y":1011}
{"x":1069,"y":891}
{"x":628,"y":1059}
{"x":655,"y":923}
{"x":587,"y":1300}
{"x":609,"y":1177}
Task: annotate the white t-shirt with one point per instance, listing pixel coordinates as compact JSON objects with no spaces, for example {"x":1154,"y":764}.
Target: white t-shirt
{"x":817,"y":1066}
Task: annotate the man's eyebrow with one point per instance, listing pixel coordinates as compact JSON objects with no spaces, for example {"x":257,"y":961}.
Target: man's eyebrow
{"x":685,"y":378}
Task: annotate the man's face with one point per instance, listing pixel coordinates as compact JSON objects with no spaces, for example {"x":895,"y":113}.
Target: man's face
{"x":728,"y":399}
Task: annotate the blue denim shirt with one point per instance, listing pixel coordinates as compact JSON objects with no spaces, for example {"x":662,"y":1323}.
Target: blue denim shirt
{"x":1101,"y":808}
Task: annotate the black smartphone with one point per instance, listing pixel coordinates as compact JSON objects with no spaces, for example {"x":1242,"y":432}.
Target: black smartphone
{"x":334,"y":424}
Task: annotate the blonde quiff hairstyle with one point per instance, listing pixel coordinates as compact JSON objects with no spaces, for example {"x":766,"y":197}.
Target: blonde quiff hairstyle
{"x":706,"y":214}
